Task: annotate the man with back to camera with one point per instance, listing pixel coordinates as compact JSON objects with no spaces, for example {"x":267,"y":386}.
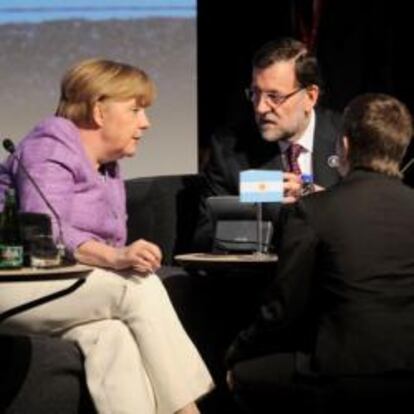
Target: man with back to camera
{"x":342,"y":304}
{"x":284,"y":90}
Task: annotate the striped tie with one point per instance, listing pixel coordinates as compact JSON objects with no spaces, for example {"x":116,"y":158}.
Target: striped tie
{"x":292,"y":154}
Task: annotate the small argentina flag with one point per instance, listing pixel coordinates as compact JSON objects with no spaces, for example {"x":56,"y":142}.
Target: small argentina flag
{"x":261,"y":186}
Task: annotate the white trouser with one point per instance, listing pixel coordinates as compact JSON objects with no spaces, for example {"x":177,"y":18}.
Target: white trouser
{"x":113,"y":366}
{"x":138,"y":358}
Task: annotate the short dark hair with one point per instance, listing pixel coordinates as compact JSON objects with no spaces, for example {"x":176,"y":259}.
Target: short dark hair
{"x":379,"y":129}
{"x":285,"y":49}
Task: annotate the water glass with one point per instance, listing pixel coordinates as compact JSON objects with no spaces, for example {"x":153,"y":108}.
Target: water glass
{"x":44,"y":252}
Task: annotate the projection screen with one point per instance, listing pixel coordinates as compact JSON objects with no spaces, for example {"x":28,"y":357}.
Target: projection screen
{"x":40,"y":39}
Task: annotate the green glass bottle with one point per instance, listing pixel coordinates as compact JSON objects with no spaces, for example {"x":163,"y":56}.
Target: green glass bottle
{"x":11,"y":245}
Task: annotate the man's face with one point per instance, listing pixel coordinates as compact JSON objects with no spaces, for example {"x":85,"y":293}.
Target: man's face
{"x":281,"y":107}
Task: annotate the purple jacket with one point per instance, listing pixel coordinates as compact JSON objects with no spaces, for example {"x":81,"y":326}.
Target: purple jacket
{"x":91,"y":205}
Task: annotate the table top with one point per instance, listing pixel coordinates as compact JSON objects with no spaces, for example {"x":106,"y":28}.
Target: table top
{"x":212,"y":260}
{"x":78,"y":272}
{"x":58,"y":271}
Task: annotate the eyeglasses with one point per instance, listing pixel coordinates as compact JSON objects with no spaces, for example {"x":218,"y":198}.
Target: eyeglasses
{"x":254,"y":95}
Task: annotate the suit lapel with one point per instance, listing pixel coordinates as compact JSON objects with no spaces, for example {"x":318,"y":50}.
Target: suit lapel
{"x":323,"y":149}
{"x":275,"y":163}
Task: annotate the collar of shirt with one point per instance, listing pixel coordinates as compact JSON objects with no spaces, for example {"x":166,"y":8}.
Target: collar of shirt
{"x":306,"y":141}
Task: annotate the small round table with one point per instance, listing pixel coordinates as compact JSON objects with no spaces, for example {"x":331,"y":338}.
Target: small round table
{"x":214,"y":261}
{"x":73,"y":271}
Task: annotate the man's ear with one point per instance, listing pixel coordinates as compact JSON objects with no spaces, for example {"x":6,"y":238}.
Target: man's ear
{"x":312,"y":93}
{"x":345,"y":146}
{"x":343,"y":156}
{"x":97,"y":113}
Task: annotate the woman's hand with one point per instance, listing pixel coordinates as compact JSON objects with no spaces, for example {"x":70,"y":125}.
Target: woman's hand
{"x":143,"y":256}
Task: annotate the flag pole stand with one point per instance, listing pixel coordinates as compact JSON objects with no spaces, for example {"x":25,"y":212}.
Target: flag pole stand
{"x":259,"y":229}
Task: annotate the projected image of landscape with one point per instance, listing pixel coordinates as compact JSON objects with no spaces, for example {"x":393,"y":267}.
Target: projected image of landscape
{"x":40,"y":39}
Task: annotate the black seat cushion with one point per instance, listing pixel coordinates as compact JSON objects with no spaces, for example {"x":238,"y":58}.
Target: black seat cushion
{"x":42,"y":375}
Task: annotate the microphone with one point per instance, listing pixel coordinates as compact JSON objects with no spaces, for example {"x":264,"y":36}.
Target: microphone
{"x":9,"y":146}
{"x":407,"y":166}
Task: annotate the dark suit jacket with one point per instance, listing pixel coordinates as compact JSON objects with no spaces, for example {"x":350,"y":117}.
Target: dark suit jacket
{"x":344,"y":291}
{"x":241,"y":147}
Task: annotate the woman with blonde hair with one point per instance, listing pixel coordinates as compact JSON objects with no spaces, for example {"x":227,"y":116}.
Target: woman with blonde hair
{"x":138,"y":358}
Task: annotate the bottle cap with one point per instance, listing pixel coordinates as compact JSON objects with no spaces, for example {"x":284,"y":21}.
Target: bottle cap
{"x":307,"y":184}
{"x":307,"y":178}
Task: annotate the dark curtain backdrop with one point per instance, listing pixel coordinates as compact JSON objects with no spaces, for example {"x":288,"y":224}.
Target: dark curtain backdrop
{"x":362,"y":46}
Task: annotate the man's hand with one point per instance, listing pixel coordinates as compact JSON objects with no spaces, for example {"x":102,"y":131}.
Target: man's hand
{"x":317,"y":187}
{"x":293,"y":187}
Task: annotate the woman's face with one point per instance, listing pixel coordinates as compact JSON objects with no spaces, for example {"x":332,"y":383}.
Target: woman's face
{"x":122,"y":125}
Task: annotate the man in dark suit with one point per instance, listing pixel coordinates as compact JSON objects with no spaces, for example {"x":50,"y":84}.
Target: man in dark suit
{"x":342,"y":303}
{"x":284,"y":90}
